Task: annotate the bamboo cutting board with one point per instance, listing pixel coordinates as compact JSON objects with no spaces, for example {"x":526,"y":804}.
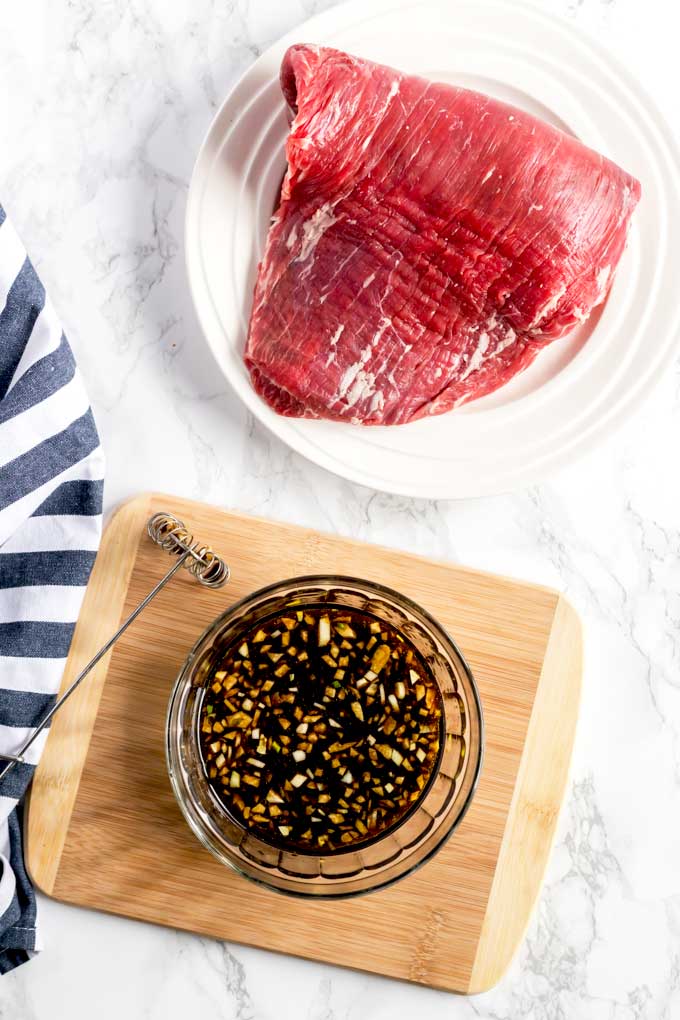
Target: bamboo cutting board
{"x":104,"y":830}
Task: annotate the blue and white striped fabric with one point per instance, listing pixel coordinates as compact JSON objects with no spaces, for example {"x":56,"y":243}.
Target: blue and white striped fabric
{"x":51,"y":471}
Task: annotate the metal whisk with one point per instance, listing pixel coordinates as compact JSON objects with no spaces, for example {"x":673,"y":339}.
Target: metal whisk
{"x":207,"y":567}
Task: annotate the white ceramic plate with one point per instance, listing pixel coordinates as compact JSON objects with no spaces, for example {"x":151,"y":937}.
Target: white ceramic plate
{"x":575,"y":392}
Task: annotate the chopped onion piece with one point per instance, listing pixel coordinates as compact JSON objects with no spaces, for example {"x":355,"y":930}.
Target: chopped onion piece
{"x":324,"y":631}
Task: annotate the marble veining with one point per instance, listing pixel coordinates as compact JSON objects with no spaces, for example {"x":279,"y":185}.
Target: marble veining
{"x":108,"y":103}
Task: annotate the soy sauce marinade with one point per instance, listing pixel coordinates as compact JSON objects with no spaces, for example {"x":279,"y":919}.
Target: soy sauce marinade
{"x":321,"y":729}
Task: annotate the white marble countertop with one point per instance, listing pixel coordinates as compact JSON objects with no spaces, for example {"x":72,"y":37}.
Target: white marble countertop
{"x":105,"y":106}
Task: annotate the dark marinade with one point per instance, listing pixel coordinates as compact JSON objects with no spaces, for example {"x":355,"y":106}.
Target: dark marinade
{"x":320,"y":729}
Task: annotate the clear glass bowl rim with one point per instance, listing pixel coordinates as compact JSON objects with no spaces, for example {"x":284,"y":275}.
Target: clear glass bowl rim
{"x":336,"y":580}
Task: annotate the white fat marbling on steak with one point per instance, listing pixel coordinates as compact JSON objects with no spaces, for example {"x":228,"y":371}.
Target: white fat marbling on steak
{"x":377,"y":401}
{"x":485,"y":350}
{"x":361,"y":389}
{"x":314,"y":228}
{"x":549,"y":306}
{"x":476,"y":359}
{"x":602,"y":281}
{"x":354,"y":373}
{"x":333,"y":343}
{"x":394,"y":90}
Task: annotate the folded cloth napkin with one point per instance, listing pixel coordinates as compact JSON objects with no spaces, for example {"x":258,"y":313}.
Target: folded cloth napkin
{"x":51,"y":471}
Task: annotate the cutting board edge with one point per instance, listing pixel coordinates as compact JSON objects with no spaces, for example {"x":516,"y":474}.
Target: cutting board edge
{"x":536,"y":804}
{"x":167,"y":501}
{"x":315,"y":955}
{"x":54,"y":789}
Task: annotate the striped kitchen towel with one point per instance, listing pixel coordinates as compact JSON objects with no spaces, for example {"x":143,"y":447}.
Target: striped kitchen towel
{"x":51,"y":470}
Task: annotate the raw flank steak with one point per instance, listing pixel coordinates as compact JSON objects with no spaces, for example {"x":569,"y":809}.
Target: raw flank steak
{"x":429,"y":242}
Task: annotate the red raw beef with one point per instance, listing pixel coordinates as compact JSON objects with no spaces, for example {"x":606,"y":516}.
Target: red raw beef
{"x":428,"y":243}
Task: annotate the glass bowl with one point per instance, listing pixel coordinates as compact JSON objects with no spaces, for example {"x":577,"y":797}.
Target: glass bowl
{"x":390,"y":854}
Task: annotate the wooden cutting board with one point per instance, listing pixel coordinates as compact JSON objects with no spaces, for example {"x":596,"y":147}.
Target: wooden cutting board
{"x":104,"y":830}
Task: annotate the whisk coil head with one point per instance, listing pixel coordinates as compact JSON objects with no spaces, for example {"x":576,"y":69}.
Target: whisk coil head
{"x":171,"y":534}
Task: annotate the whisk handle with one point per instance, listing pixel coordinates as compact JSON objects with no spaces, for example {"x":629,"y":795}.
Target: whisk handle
{"x":15,"y":759}
{"x":207,"y":567}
